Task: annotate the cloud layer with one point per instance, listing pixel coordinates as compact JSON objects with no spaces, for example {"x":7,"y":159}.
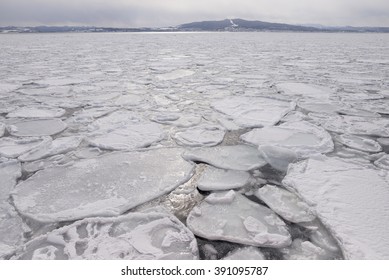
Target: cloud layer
{"x":157,"y":13}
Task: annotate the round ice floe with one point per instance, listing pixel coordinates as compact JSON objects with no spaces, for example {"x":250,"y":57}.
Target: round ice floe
{"x":285,"y":204}
{"x":57,"y":146}
{"x":122,"y":130}
{"x":303,"y":138}
{"x":42,"y":127}
{"x":245,"y":253}
{"x":253,"y":111}
{"x":358,"y":125}
{"x":305,"y":250}
{"x":383,"y":162}
{"x":205,"y":135}
{"x":14,"y":147}
{"x":129,"y":100}
{"x":304,"y":91}
{"x":105,"y":186}
{"x":240,"y":157}
{"x":278,"y":157}
{"x":377,"y":106}
{"x":178,"y":120}
{"x":232,"y":217}
{"x":320,"y":107}
{"x":37,"y":112}
{"x":135,"y":236}
{"x":214,"y":179}
{"x":359,"y":143}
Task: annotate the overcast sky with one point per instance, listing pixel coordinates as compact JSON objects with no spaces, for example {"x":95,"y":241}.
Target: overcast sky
{"x":160,"y":13}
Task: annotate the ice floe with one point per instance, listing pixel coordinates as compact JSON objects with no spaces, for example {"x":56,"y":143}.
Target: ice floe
{"x":305,"y":250}
{"x":176,"y":119}
{"x":251,"y":112}
{"x":232,"y":217}
{"x":11,"y":230}
{"x":359,"y":143}
{"x":285,"y":204}
{"x":14,"y":147}
{"x":358,"y":125}
{"x":37,"y":112}
{"x":245,"y":253}
{"x":303,"y":138}
{"x":51,"y":148}
{"x":350,"y":198}
{"x":214,"y":179}
{"x":384,"y":142}
{"x":203,"y":135}
{"x":135,"y":236}
{"x":239,"y":157}
{"x":278,"y":157}
{"x":383,"y":162}
{"x":176,"y":74}
{"x":105,"y":186}
{"x":41,"y":127}
{"x":122,"y":130}
{"x":10,"y":171}
{"x":304,"y":91}
{"x":320,"y":107}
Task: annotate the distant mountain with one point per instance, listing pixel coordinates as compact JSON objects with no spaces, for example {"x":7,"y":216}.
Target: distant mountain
{"x":255,"y":25}
{"x":237,"y":25}
{"x":242,"y":25}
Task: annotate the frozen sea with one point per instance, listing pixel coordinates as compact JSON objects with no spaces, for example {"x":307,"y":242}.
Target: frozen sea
{"x":194,"y":146}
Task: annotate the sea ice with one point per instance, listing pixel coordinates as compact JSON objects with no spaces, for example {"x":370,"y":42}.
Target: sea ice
{"x":249,"y":112}
{"x":305,"y":250}
{"x":278,"y":157}
{"x":105,"y":186}
{"x":232,"y":217}
{"x":135,"y":236}
{"x":384,"y":142}
{"x":358,"y":125}
{"x":11,"y":230}
{"x":41,"y":127}
{"x":285,"y":204}
{"x":320,"y":107}
{"x":304,"y":138}
{"x":359,"y":143}
{"x":240,"y":157}
{"x":245,"y":253}
{"x":178,"y":120}
{"x":215,"y":179}
{"x":122,"y":130}
{"x":14,"y":147}
{"x":204,"y":135}
{"x":304,"y":91}
{"x":37,"y":112}
{"x":57,"y":160}
{"x":51,"y":148}
{"x":350,"y":198}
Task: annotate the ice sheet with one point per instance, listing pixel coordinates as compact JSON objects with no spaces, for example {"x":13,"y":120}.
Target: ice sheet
{"x":135,"y":236}
{"x":252,"y":112}
{"x":215,"y":179}
{"x":285,"y":204}
{"x":350,"y":198}
{"x":105,"y":186}
{"x":302,"y":137}
{"x":42,"y":127}
{"x":240,"y":157}
{"x":232,"y":217}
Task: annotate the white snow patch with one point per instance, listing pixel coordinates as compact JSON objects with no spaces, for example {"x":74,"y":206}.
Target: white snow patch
{"x":350,"y":198}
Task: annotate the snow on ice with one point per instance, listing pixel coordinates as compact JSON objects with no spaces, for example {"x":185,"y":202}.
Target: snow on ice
{"x":350,"y":198}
